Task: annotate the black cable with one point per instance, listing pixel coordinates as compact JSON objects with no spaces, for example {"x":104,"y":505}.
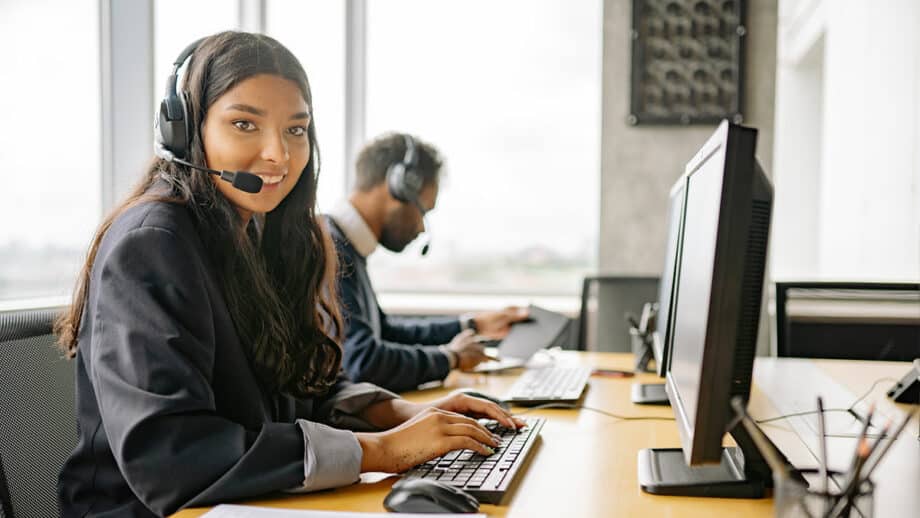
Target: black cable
{"x":829,"y":410}
{"x":599,"y":411}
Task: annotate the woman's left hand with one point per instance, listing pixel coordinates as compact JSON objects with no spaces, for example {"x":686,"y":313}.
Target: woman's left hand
{"x":462,"y":403}
{"x":394,"y":412}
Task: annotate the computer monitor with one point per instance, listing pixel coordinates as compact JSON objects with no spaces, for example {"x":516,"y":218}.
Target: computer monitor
{"x":654,"y":393}
{"x":715,"y":313}
{"x":669,"y":274}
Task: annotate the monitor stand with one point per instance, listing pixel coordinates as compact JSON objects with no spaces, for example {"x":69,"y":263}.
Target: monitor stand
{"x":742,"y":472}
{"x":649,"y":394}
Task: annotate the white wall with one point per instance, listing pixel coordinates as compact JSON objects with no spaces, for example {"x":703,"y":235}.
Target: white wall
{"x":847,"y":148}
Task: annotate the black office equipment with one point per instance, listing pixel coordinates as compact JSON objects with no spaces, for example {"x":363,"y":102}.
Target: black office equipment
{"x":555,"y":384}
{"x":654,"y":393}
{"x":716,"y":312}
{"x":907,"y":389}
{"x":428,"y":496}
{"x":848,"y":320}
{"x":488,"y":479}
{"x":39,"y":427}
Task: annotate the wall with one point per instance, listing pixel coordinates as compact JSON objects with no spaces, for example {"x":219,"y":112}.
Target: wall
{"x":640,"y":163}
{"x":848,"y":123}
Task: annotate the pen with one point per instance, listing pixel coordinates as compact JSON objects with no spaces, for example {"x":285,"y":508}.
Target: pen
{"x":851,"y":488}
{"x":822,"y":445}
{"x":872,"y":464}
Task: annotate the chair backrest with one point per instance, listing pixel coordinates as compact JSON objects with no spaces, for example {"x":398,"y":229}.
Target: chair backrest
{"x":605,"y":301}
{"x":848,"y":320}
{"x":38,"y":427}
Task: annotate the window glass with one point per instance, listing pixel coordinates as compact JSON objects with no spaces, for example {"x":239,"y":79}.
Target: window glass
{"x":314,"y":30}
{"x":50,"y":202}
{"x":180,"y":22}
{"x":510,"y":93}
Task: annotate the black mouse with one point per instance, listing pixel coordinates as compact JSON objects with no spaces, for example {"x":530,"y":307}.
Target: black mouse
{"x":480,"y":395}
{"x":428,"y":496}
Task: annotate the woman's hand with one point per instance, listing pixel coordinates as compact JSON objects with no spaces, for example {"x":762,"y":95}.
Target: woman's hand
{"x":477,"y":407}
{"x":431,"y":433}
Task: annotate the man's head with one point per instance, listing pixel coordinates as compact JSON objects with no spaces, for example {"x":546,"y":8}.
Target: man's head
{"x":397,"y":222}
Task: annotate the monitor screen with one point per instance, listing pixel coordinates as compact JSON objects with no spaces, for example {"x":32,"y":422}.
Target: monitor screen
{"x":692,"y":307}
{"x":661,"y":336}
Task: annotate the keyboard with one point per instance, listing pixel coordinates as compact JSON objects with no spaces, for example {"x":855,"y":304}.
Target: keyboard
{"x":486,"y":478}
{"x":549,"y":385}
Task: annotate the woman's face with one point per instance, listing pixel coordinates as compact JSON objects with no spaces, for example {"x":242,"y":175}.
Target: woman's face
{"x":259,"y":126}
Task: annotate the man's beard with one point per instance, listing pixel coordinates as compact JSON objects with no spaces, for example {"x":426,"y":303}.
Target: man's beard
{"x":396,"y":235}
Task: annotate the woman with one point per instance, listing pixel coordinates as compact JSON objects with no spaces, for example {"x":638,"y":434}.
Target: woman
{"x":204,"y":372}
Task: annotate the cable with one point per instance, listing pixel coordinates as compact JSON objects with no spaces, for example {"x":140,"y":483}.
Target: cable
{"x":829,"y":410}
{"x":599,"y":411}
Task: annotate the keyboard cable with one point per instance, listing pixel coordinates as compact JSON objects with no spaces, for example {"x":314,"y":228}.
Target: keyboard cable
{"x":849,"y":410}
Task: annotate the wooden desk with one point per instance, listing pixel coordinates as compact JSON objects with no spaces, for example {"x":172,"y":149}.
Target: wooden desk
{"x":585,"y":463}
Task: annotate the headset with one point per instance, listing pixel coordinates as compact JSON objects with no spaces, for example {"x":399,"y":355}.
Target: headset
{"x":405,"y":182}
{"x":403,"y":179}
{"x":172,"y":129}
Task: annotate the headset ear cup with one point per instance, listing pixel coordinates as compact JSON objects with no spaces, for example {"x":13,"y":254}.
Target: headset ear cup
{"x":412,"y":184}
{"x":182,"y":141}
{"x":395,"y":182}
{"x":173,"y":131}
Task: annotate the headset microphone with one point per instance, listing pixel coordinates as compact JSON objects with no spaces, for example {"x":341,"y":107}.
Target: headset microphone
{"x":242,"y":180}
{"x":427,"y":244}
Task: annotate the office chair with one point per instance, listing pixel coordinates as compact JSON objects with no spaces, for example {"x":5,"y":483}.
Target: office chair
{"x":38,"y":427}
{"x":848,"y":320}
{"x":605,"y":301}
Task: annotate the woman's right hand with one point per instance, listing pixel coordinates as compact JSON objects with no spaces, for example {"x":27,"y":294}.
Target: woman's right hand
{"x":431,"y":433}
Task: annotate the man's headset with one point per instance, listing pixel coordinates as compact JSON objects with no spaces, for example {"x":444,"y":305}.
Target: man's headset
{"x":405,"y":182}
{"x":172,"y":130}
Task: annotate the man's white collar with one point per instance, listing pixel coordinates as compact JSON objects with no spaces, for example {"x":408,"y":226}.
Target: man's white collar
{"x":347,"y":217}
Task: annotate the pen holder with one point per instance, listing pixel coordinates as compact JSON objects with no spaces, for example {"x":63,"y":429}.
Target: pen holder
{"x":791,"y":498}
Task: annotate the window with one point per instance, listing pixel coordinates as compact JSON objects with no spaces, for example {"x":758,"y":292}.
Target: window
{"x":510,"y":93}
{"x":314,"y":30}
{"x":177,"y":23}
{"x":49,"y":144}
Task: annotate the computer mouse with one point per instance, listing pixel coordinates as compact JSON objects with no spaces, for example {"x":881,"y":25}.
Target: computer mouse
{"x":480,"y":395}
{"x":428,"y":496}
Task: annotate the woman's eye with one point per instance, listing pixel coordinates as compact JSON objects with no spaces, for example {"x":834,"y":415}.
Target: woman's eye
{"x":298,"y":131}
{"x":244,"y":125}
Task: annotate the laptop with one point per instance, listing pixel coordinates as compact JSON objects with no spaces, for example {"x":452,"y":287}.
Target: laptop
{"x":542,"y":330}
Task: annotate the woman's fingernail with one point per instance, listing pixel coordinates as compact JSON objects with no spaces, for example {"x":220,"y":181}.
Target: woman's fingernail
{"x":490,"y":451}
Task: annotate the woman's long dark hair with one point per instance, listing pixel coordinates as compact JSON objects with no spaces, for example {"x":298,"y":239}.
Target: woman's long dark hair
{"x":278,"y":281}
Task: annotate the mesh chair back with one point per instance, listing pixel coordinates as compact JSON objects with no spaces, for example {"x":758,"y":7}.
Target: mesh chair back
{"x":38,"y":427}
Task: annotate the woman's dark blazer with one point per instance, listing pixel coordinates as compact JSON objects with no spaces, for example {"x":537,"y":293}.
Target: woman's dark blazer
{"x":170,"y":414}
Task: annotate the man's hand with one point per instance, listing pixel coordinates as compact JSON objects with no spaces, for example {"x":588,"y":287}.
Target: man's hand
{"x":497,"y":324}
{"x":469,"y":352}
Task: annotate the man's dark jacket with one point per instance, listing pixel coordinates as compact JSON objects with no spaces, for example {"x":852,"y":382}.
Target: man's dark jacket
{"x":396,"y":354}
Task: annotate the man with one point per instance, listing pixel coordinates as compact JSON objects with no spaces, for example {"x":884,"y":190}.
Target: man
{"x":396,"y":184}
